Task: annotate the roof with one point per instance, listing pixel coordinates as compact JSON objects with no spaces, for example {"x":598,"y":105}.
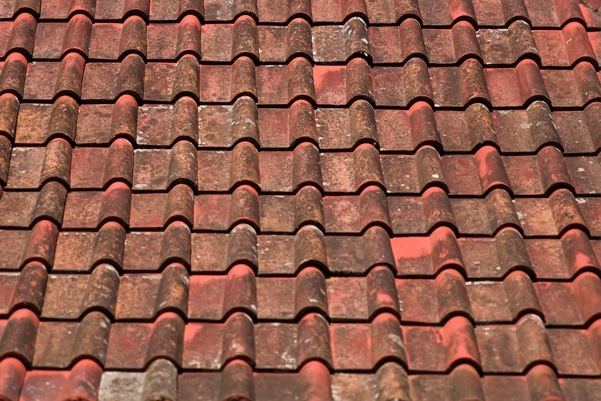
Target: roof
{"x":317,"y":200}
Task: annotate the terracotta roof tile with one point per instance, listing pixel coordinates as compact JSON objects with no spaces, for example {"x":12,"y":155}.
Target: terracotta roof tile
{"x":98,"y":291}
{"x":513,"y":131}
{"x":19,"y":333}
{"x":79,"y":251}
{"x":160,"y":380}
{"x":81,"y":381}
{"x":24,"y":289}
{"x":112,"y":204}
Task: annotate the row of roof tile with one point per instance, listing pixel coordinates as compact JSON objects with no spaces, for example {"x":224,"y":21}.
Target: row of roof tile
{"x":143,"y":296}
{"x":437,"y":12}
{"x":400,"y":214}
{"x":313,"y":382}
{"x":322,"y":43}
{"x":512,"y":131}
{"x":493,"y":348}
{"x":424,"y":256}
{"x":282,"y":84}
{"x":287,"y":171}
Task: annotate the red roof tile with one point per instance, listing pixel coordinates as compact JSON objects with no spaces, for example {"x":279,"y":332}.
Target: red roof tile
{"x":300,"y":199}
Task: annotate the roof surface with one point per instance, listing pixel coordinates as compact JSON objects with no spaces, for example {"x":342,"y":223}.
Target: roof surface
{"x":313,"y":200}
